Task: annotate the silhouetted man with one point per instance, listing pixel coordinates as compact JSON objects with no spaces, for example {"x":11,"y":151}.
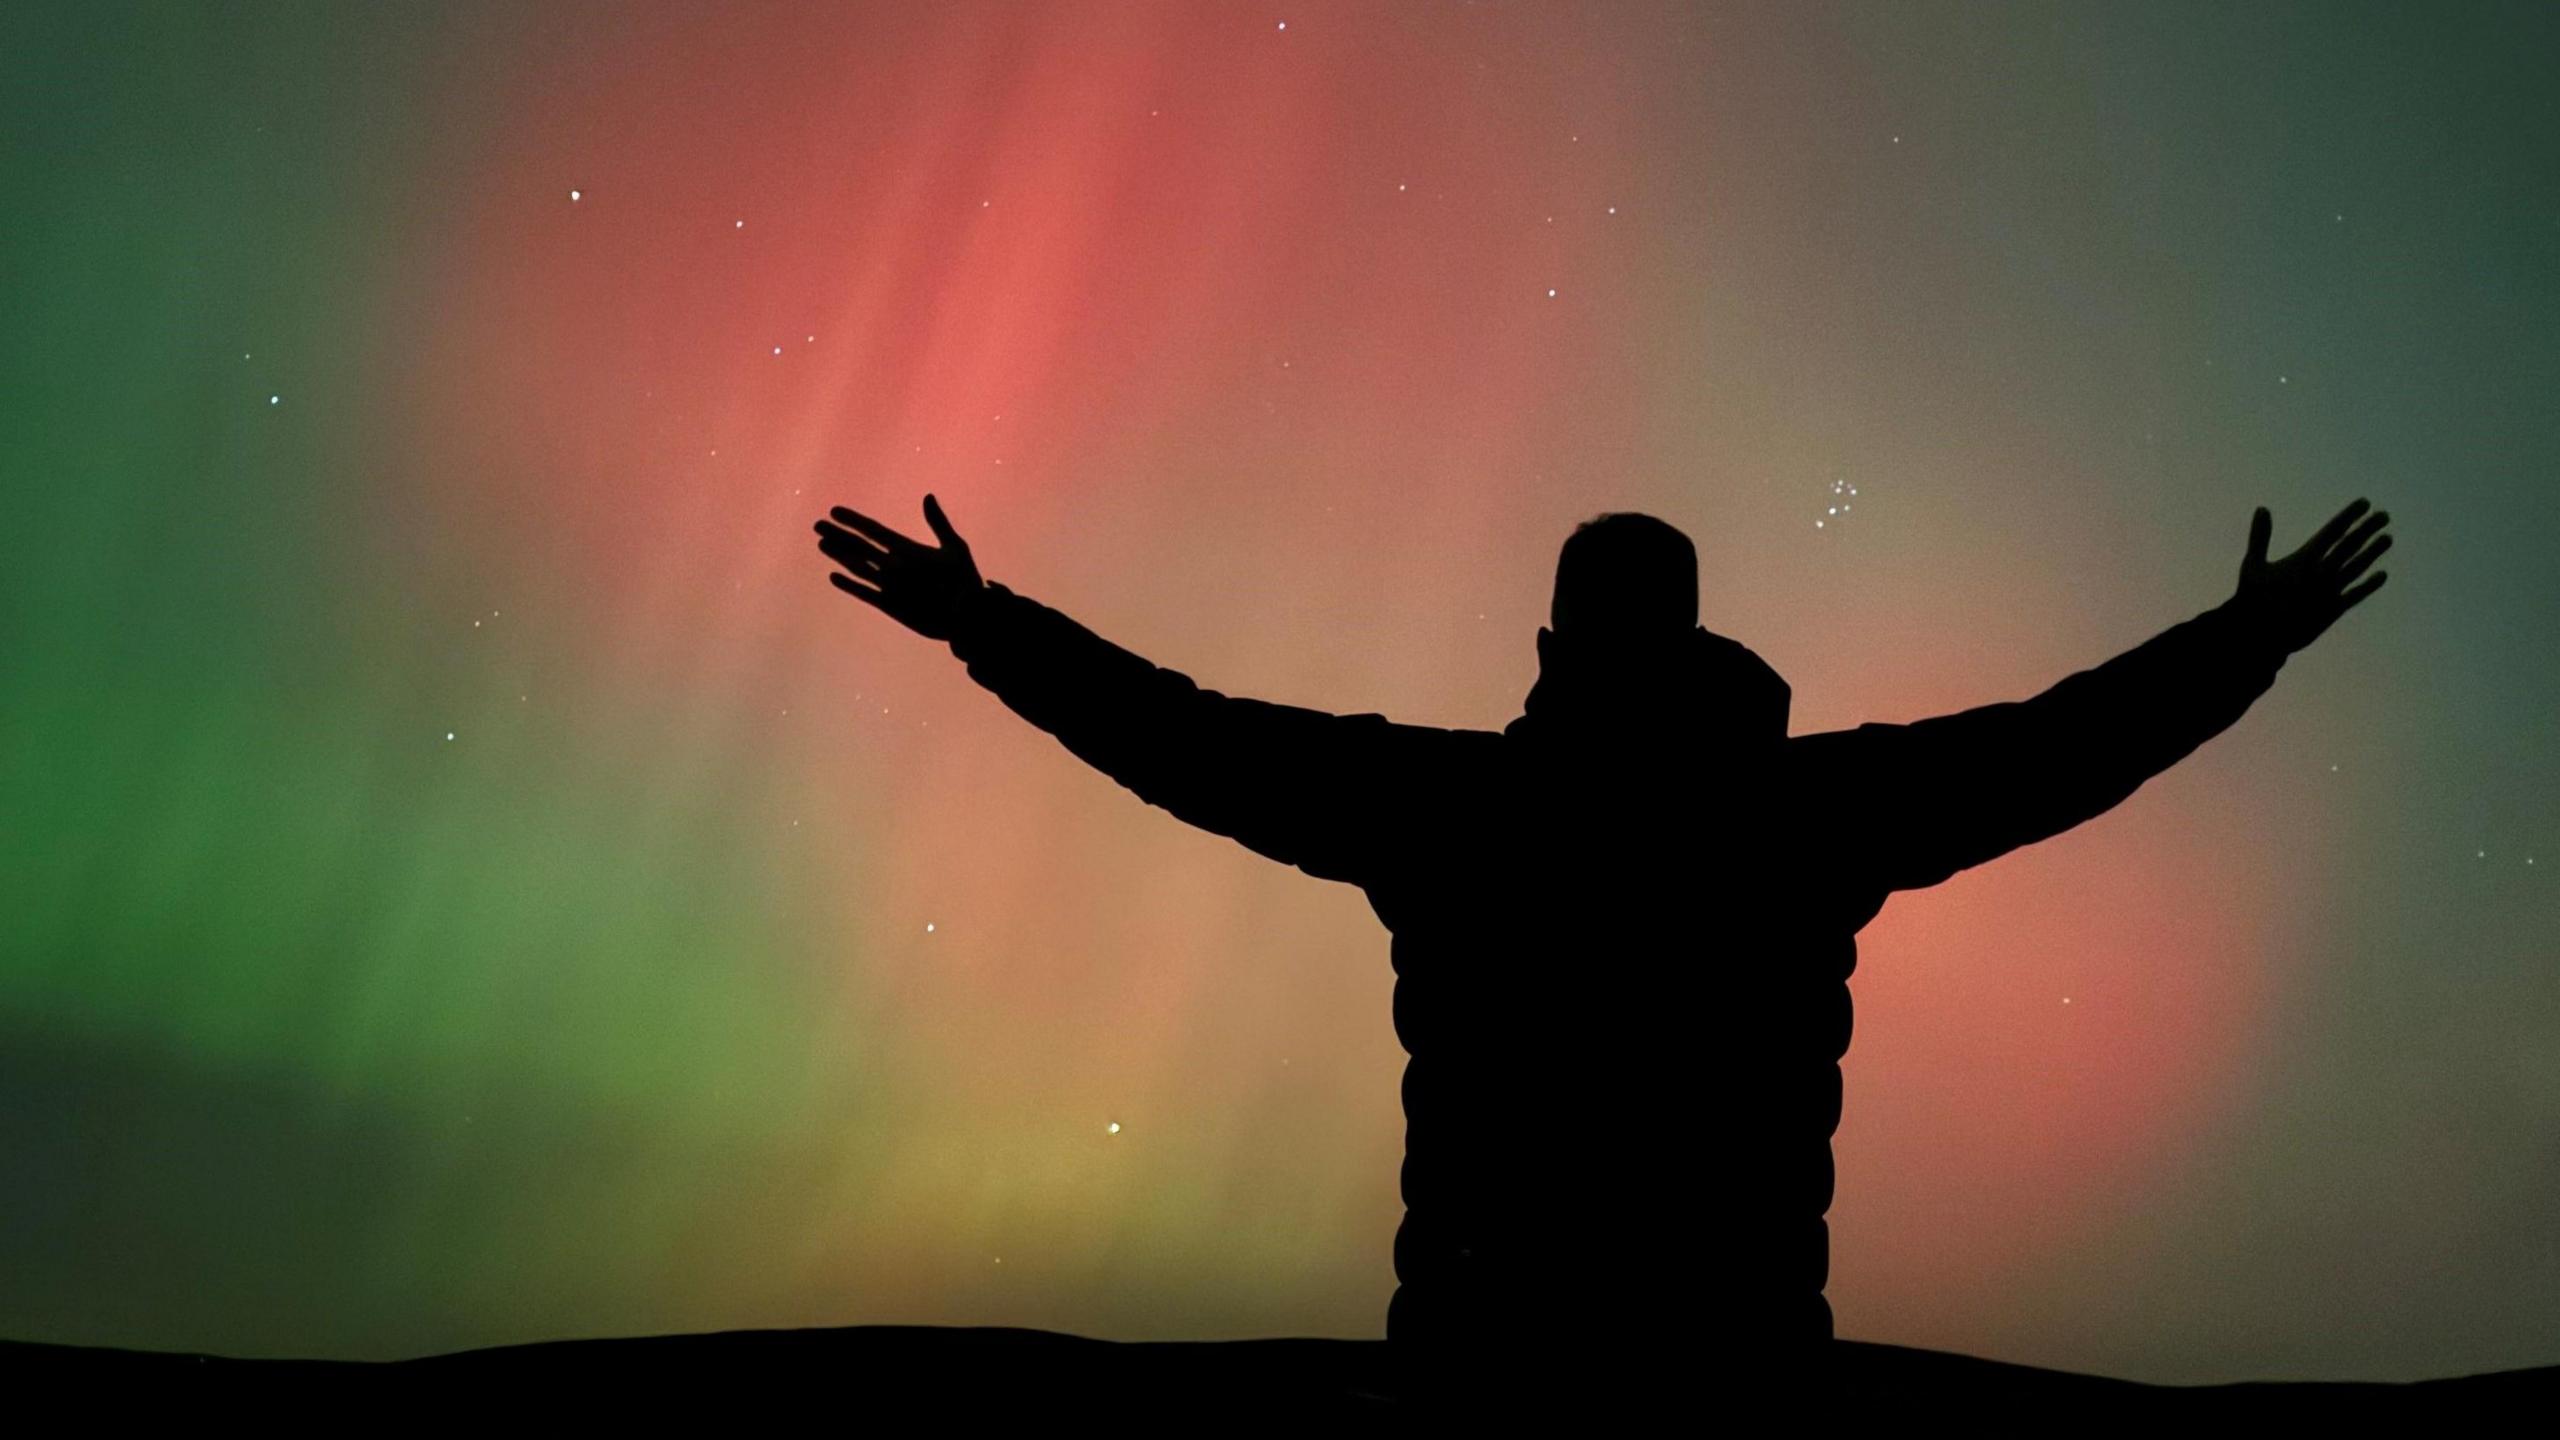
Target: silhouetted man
{"x":1624,"y":923}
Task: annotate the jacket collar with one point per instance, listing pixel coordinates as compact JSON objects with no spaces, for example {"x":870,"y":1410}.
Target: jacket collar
{"x":1705,"y":690}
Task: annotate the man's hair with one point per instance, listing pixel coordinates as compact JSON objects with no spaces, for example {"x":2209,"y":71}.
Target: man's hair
{"x":1626,"y":574}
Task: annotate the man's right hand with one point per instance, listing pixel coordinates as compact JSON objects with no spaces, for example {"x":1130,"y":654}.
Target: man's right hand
{"x":923,"y":587}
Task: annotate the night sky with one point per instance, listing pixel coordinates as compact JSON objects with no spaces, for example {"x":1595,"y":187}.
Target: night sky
{"x":469,"y":879}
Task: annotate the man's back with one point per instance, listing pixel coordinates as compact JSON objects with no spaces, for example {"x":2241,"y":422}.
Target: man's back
{"x":1622,"y":988}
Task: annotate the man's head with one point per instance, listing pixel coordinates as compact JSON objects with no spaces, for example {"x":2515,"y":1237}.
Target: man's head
{"x":1626,"y":657}
{"x":1625,"y":581}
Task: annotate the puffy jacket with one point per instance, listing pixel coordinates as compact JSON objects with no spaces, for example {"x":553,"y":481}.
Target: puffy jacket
{"x":1623,"y":932}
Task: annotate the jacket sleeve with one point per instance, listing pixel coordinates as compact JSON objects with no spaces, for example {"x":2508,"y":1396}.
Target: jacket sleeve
{"x":1913,"y":804}
{"x":1329,"y":794}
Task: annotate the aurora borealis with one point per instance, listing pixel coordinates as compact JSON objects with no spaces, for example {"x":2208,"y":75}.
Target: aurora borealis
{"x":469,"y":878}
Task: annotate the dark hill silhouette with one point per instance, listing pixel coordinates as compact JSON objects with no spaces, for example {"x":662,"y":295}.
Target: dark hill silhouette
{"x":868,"y":1375}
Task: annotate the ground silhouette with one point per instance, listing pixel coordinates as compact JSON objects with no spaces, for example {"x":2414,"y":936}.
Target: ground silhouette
{"x":1624,"y":924}
{"x":944,"y":1376}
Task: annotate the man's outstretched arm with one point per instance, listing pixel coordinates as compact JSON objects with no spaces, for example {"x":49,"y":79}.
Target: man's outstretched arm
{"x":1326,"y":793}
{"x":1917,"y":803}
